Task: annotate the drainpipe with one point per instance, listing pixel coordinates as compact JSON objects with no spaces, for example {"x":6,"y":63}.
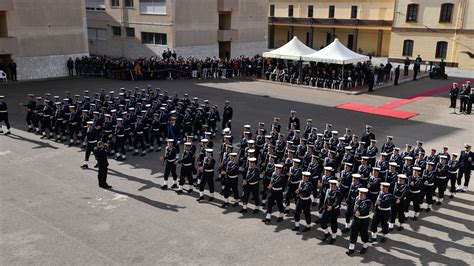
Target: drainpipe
{"x":459,"y":25}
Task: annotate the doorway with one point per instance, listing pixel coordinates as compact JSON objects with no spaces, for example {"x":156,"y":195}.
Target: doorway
{"x":224,"y":49}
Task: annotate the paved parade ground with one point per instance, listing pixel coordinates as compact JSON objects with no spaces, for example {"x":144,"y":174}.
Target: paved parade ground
{"x":53,"y":212}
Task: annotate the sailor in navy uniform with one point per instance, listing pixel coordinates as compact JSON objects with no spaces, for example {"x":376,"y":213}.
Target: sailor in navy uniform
{"x":374,"y":184}
{"x":415,"y":184}
{"x":388,"y":146}
{"x":396,"y":157}
{"x":119,"y":133}
{"x":4,"y":115}
{"x":307,"y":128}
{"x":92,"y":137}
{"x":428,"y":185}
{"x":364,"y":171}
{"x":408,"y":166}
{"x":250,"y":186}
{"x":294,"y":178}
{"x":170,"y":158}
{"x":453,"y":165}
{"x":350,"y":200}
{"x":187,"y":166}
{"x":391,"y":175}
{"x":29,"y":107}
{"x":419,"y":147}
{"x":207,"y":170}
{"x":316,"y":169}
{"x":303,"y":202}
{"x":293,"y":120}
{"x":441,"y":178}
{"x":359,"y":152}
{"x":277,"y":183}
{"x":368,"y":135}
{"x":382,"y":208}
{"x":348,"y":157}
{"x":400,"y":192}
{"x":466,"y":161}
{"x":331,"y":210}
{"x":324,"y":185}
{"x":266,"y":177}
{"x":360,"y":222}
{"x":382,"y":163}
{"x":345,"y":179}
{"x":231,"y":180}
{"x":420,"y":161}
{"x":372,"y":151}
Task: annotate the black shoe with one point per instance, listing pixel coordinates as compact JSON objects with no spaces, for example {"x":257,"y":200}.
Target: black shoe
{"x":267,"y":221}
{"x":332,"y":241}
{"x":363,"y":251}
{"x":400,"y":228}
{"x":415,"y":218}
{"x":85,"y":166}
{"x":107,"y":187}
{"x":383,"y":240}
{"x":372,"y":240}
{"x":345,"y":230}
{"x":42,"y":137}
{"x":174,"y":186}
{"x":350,"y":252}
{"x":280,"y":219}
{"x":428,"y":209}
{"x":313,"y":204}
{"x":438,"y":203}
{"x":451,"y":196}
{"x":179,"y":191}
{"x":190,"y":191}
{"x":306,"y":229}
{"x":211,"y":199}
{"x":243,"y":211}
{"x":225,"y":205}
{"x":96,"y":165}
{"x":296,"y":228}
{"x":326,"y":236}
{"x":164,"y":187}
{"x":236,"y":204}
{"x":255,"y":211}
{"x":200,"y":198}
{"x":287,"y":211}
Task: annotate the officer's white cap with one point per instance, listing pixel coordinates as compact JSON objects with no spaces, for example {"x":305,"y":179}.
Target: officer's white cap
{"x":227,"y":136}
{"x":455,"y":154}
{"x":348,"y":148}
{"x":348,"y":164}
{"x":365,"y":157}
{"x":376,"y":169}
{"x":226,"y":129}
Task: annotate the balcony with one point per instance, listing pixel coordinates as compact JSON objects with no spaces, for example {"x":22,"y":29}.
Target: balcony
{"x":227,"y":5}
{"x":8,"y":45}
{"x":6,"y":5}
{"x":227,"y":35}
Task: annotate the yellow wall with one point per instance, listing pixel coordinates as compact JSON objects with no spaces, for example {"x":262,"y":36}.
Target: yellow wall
{"x":367,"y":9}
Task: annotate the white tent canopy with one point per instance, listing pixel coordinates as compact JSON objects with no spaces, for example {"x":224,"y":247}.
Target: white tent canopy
{"x":335,"y":53}
{"x":293,"y":50}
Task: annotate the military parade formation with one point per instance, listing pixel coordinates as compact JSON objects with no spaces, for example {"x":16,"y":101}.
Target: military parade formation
{"x":372,"y":184}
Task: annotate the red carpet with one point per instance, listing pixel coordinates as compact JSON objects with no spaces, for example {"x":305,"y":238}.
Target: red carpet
{"x":387,"y":109}
{"x":376,"y":110}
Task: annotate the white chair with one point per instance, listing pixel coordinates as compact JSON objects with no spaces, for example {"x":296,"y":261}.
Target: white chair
{"x":3,"y":76}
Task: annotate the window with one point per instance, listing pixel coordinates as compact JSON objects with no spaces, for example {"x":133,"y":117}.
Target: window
{"x":154,"y":38}
{"x":446,"y":12}
{"x":441,"y":49}
{"x":407,"y":48}
{"x":130,"y":32}
{"x":96,"y":34}
{"x":128,"y":3}
{"x":98,"y":5}
{"x":272,"y":10}
{"x":310,"y":11}
{"x":116,"y":31}
{"x":290,"y":10}
{"x":354,"y":12}
{"x":153,"y":7}
{"x":331,"y":11}
{"x":412,"y":13}
{"x":115,"y":3}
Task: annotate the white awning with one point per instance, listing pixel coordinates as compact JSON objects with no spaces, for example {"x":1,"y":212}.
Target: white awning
{"x":293,"y":50}
{"x":335,"y":53}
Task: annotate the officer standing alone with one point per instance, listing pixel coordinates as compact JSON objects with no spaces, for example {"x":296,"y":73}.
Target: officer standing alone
{"x":4,"y":115}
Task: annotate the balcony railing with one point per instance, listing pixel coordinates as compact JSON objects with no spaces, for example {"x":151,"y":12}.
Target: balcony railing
{"x":330,"y":22}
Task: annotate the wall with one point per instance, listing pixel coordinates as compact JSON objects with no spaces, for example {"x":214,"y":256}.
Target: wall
{"x":40,"y":67}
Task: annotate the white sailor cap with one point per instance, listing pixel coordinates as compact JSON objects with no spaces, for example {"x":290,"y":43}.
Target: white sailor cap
{"x":383,"y":154}
{"x":278,"y":165}
{"x":408,"y":158}
{"x":389,"y":137}
{"x":251,"y":151}
{"x":253,"y":159}
{"x":416,"y":168}
{"x":393,"y":164}
{"x":268,"y":136}
{"x":251,"y":141}
{"x":385,"y":184}
{"x":207,"y":133}
{"x":187,"y":144}
{"x":348,"y":164}
{"x":233,"y":154}
{"x":402,"y":176}
{"x":247,"y":126}
{"x":455,"y":154}
{"x":348,"y":148}
{"x":226,"y":129}
{"x":295,"y":160}
{"x":376,"y":168}
{"x":419,"y":142}
{"x":319,"y":134}
{"x":396,"y":149}
{"x":365,"y":157}
{"x":356,"y":176}
{"x":227,"y":136}
{"x":309,"y":120}
{"x":119,"y":119}
{"x":373,"y":140}
{"x":306,"y":173}
{"x":107,"y":115}
{"x":204,"y":140}
{"x":57,"y":103}
{"x":333,"y":182}
{"x":328,"y":168}
{"x":363,"y":190}
{"x":430,"y":163}
{"x":209,"y":150}
{"x":334,"y":132}
{"x":90,"y":122}
{"x":170,"y":140}
{"x":443,"y":157}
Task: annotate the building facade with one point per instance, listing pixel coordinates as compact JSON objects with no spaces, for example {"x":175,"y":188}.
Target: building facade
{"x":39,"y":36}
{"x":200,"y":28}
{"x":363,"y":25}
{"x":434,"y":30}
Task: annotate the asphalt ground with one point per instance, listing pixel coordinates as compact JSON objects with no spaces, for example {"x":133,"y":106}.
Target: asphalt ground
{"x":52,"y":212}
